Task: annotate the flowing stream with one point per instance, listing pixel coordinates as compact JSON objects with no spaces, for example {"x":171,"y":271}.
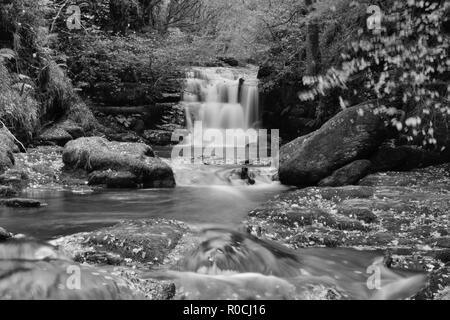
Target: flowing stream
{"x":228,"y":264}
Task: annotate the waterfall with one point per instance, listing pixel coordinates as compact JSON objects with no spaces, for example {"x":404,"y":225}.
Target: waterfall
{"x":223,"y":122}
{"x":222,"y":98}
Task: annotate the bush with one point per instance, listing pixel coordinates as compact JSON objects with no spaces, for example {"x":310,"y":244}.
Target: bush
{"x":404,"y":69}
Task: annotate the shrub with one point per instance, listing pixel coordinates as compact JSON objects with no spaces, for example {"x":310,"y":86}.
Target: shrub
{"x":404,"y":69}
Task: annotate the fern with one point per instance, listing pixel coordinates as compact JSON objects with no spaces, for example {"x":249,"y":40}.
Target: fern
{"x":7,"y":54}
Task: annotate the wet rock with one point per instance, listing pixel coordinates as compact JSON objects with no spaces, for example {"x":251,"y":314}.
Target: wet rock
{"x":353,"y":134}
{"x":5,"y":235}
{"x":114,"y":179}
{"x":132,"y":242}
{"x":98,"y":154}
{"x":20,"y":203}
{"x":44,"y":275}
{"x":158,"y":137}
{"x":347,"y":175}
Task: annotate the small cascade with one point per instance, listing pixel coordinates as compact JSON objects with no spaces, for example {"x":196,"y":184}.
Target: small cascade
{"x":223,"y":117}
{"x":222,"y":98}
{"x":232,"y":264}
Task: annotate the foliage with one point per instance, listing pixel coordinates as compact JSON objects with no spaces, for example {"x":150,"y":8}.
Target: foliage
{"x":404,"y":68}
{"x":18,"y":110}
{"x":36,"y":87}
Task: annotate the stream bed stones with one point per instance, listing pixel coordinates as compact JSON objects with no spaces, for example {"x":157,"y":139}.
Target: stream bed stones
{"x":46,"y":273}
{"x":403,"y":213}
{"x":132,"y":248}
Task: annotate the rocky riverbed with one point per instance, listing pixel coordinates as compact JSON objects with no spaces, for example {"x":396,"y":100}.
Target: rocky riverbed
{"x":402,"y":214}
{"x":405,"y":214}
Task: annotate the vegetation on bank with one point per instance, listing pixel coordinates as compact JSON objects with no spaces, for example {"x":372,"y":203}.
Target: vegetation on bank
{"x":35,"y":89}
{"x":335,"y":61}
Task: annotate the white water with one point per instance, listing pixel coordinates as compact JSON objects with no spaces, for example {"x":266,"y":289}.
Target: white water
{"x":222,"y":98}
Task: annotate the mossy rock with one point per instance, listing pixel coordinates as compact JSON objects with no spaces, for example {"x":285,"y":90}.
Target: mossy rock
{"x":98,"y":154}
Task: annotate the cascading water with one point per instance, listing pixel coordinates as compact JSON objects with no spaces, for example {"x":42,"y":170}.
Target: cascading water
{"x":233,"y":265}
{"x":222,"y":98}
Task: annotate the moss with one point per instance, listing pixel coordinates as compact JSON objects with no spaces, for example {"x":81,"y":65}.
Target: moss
{"x":98,"y":154}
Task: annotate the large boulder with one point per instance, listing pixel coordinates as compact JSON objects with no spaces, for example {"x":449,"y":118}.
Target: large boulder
{"x":98,"y":154}
{"x":347,"y":175}
{"x":353,"y":134}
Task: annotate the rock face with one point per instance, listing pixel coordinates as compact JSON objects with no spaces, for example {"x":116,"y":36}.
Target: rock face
{"x":347,"y":175}
{"x":351,"y":135}
{"x":98,"y":154}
